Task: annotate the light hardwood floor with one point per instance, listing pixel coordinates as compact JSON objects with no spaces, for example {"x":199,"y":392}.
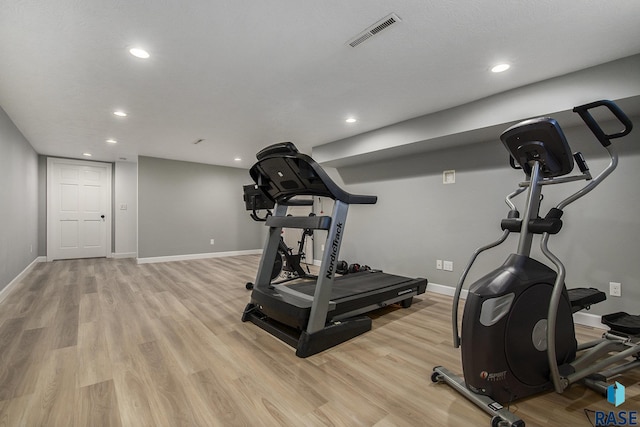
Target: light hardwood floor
{"x":107,"y":342}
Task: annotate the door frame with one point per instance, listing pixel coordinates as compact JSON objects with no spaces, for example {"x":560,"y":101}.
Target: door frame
{"x":108,"y":208}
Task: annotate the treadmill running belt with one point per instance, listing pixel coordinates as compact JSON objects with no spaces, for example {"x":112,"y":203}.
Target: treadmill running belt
{"x":354,"y":284}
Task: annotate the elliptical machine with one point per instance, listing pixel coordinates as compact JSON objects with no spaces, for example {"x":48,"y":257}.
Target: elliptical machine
{"x":518,"y":334}
{"x":286,"y":263}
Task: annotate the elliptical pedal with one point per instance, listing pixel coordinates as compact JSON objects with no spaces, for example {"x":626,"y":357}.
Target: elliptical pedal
{"x":622,"y":322}
{"x":584,"y":298}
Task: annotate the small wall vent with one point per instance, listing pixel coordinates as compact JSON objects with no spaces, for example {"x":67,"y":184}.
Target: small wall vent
{"x":374,"y":29}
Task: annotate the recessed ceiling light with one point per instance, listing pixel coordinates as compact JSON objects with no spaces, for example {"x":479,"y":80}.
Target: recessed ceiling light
{"x":120,"y":113}
{"x":112,"y":141}
{"x":237,"y":159}
{"x":350,"y":120}
{"x":86,"y":154}
{"x":139,"y":53}
{"x":500,"y":68}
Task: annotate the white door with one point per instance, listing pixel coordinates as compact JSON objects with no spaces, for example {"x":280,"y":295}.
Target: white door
{"x":78,"y":209}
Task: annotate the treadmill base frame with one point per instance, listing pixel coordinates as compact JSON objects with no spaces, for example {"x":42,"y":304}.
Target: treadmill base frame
{"x":308,"y":344}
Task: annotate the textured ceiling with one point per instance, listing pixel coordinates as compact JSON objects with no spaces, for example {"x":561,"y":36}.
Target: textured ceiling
{"x":242,"y":74}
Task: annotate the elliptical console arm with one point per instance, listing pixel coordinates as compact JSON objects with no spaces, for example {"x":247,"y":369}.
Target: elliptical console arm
{"x":605,"y":139}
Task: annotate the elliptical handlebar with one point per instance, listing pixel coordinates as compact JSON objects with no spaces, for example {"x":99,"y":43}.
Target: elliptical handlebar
{"x":605,"y":139}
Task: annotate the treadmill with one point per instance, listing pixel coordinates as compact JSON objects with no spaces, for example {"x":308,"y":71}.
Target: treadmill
{"x":313,"y":314}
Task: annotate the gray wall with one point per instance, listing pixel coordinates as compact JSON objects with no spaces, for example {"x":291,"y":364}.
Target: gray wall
{"x":18,"y":201}
{"x":182,"y":205}
{"x":418,"y":219}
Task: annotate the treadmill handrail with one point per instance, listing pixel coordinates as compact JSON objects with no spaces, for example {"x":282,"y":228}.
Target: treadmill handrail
{"x":303,"y":222}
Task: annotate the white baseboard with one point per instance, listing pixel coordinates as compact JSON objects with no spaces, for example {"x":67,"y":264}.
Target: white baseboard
{"x":588,"y":319}
{"x":124,"y":255}
{"x":445,"y":290}
{"x":580,"y":318}
{"x":197,"y":256}
{"x":5,"y":291}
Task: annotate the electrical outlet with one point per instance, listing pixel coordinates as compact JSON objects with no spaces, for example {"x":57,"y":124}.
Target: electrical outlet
{"x":211,"y":241}
{"x":615,"y":289}
{"x":438,"y":264}
{"x":322,"y":247}
{"x":447,"y":265}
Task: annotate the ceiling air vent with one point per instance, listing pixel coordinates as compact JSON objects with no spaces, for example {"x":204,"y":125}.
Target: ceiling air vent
{"x":374,"y":29}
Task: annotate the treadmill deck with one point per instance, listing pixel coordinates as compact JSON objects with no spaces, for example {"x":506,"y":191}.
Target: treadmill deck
{"x":353,"y":285}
